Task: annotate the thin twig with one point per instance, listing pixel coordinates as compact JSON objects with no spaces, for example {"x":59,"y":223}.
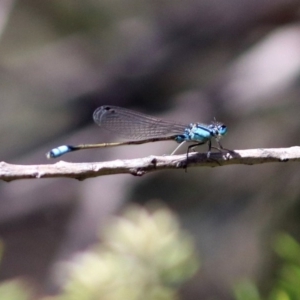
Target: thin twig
{"x":141,"y":166}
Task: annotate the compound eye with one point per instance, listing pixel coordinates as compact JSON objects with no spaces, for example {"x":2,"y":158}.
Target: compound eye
{"x":222,"y":129}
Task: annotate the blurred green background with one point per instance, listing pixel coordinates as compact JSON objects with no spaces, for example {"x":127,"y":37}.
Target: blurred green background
{"x":193,"y":60}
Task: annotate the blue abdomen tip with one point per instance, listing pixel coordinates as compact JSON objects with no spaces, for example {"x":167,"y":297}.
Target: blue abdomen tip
{"x":59,"y":151}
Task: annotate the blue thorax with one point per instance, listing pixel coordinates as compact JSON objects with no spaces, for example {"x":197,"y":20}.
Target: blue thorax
{"x":197,"y":132}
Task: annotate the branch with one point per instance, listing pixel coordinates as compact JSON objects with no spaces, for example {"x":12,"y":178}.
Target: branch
{"x":141,"y":166}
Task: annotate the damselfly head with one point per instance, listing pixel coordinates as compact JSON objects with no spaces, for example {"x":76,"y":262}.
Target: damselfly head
{"x":220,"y":129}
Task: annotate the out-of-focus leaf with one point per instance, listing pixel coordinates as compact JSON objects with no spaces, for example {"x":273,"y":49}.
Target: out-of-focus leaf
{"x":287,"y":248}
{"x":143,"y":256}
{"x":13,"y":290}
{"x":246,"y":290}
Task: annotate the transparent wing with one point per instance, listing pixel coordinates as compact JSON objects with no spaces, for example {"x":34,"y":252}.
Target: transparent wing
{"x":134,"y":125}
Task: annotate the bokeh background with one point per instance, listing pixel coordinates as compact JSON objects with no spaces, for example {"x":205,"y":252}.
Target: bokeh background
{"x":192,"y":60}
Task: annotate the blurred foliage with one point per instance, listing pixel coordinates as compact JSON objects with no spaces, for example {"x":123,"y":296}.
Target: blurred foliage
{"x":246,"y":290}
{"x":13,"y":289}
{"x":287,"y":282}
{"x":146,"y":255}
{"x":142,"y":255}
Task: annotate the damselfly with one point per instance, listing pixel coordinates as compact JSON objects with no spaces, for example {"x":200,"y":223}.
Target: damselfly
{"x":140,"y":128}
